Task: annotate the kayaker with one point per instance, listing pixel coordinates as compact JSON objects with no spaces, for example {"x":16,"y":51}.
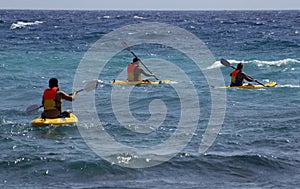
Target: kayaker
{"x":52,"y":100}
{"x":134,"y":71}
{"x":238,"y":76}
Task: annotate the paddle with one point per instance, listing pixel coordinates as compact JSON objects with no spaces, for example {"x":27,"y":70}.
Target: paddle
{"x":33,"y":109}
{"x":91,"y":85}
{"x":227,"y":64}
{"x":128,"y":48}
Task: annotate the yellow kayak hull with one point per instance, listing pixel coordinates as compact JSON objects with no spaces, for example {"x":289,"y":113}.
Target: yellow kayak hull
{"x":270,"y":84}
{"x":55,"y":121}
{"x":119,"y":82}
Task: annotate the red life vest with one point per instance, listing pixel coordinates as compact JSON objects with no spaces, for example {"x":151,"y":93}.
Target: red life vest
{"x":49,"y":99}
{"x":234,"y":80}
{"x":130,"y":73}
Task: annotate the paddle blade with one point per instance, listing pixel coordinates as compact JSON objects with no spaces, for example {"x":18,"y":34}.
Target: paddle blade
{"x":225,"y":62}
{"x":33,"y":109}
{"x":91,"y":85}
{"x":126,"y":46}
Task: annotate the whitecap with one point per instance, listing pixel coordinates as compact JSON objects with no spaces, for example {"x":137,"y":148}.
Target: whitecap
{"x":276,"y":62}
{"x":138,"y":17}
{"x":288,"y":86}
{"x":215,"y":65}
{"x":259,"y":63}
{"x":22,"y":24}
{"x":218,"y":64}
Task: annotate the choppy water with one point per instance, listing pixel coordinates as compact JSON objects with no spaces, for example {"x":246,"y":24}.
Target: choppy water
{"x":257,"y":146}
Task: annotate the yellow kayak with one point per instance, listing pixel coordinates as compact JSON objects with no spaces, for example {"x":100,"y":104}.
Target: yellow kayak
{"x":55,"y":121}
{"x":249,"y":86}
{"x":144,"y":82}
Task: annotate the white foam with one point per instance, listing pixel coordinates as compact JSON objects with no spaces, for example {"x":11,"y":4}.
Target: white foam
{"x":259,"y":63}
{"x":218,"y":64}
{"x":21,"y":24}
{"x":215,"y":65}
{"x":288,"y":86}
{"x":276,"y":62}
{"x":138,"y":17}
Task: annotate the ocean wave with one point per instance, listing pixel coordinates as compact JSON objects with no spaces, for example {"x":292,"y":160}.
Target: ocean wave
{"x":276,"y":62}
{"x":256,"y":161}
{"x":288,"y":86}
{"x":259,"y":63}
{"x":215,"y":65}
{"x":138,"y":17}
{"x":22,"y":24}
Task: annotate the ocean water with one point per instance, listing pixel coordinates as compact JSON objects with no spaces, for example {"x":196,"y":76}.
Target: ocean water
{"x":256,"y":147}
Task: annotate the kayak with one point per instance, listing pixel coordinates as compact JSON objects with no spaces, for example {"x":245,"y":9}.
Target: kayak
{"x":144,"y":82}
{"x":55,"y":121}
{"x":249,"y":86}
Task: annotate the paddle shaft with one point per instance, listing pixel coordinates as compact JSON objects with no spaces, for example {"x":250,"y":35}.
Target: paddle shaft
{"x":34,"y":109}
{"x":251,"y":78}
{"x":89,"y":86}
{"x":127,"y":47}
{"x":77,"y":91}
{"x":227,"y":64}
{"x":38,"y":107}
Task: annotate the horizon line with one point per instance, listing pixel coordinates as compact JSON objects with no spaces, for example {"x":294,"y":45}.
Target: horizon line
{"x":56,"y":9}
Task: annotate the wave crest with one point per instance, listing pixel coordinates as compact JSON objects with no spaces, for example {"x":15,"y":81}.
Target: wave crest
{"x":276,"y":62}
{"x":22,"y":24}
{"x":259,"y":63}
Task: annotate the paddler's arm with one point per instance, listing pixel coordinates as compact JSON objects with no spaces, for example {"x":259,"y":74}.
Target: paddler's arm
{"x":145,"y":73}
{"x":250,"y":79}
{"x":43,"y":100}
{"x":67,"y":96}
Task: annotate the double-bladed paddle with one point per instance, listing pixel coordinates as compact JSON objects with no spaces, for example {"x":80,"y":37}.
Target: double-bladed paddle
{"x":91,"y":85}
{"x":128,"y":48}
{"x":227,"y":64}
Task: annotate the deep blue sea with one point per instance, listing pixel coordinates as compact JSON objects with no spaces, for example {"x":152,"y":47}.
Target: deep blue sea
{"x":257,"y":146}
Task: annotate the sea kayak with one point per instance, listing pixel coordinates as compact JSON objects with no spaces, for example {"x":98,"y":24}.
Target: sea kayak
{"x":55,"y":121}
{"x":144,"y":82}
{"x":249,"y":86}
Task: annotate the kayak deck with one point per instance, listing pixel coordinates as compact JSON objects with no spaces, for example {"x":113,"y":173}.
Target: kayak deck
{"x":249,"y":86}
{"x":55,"y":121}
{"x":144,"y":82}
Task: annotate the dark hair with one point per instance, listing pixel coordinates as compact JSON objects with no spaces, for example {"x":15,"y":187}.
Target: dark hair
{"x":53,"y":82}
{"x":240,"y":66}
{"x":135,"y":59}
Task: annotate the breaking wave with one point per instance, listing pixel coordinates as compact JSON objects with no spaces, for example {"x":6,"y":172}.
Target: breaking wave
{"x":22,"y":24}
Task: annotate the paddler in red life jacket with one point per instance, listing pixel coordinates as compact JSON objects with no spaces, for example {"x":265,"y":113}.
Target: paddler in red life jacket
{"x":134,"y":71}
{"x":238,"y":76}
{"x":52,"y":100}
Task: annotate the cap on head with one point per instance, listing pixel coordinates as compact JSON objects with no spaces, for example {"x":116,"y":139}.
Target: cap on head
{"x":135,"y":60}
{"x":53,"y":82}
{"x":240,"y":66}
